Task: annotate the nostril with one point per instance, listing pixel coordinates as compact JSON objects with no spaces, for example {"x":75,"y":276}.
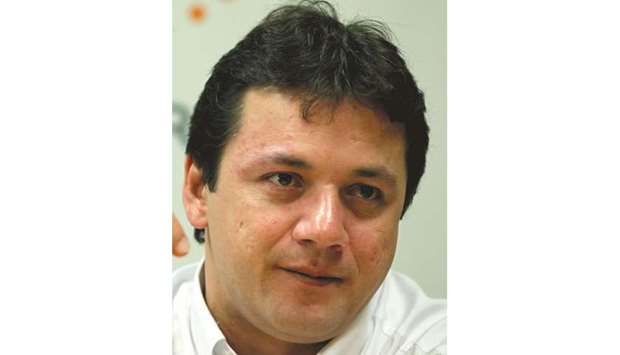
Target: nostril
{"x":336,"y":248}
{"x":305,"y":242}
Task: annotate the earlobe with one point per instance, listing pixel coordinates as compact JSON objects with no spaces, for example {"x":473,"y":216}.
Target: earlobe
{"x":194,"y":197}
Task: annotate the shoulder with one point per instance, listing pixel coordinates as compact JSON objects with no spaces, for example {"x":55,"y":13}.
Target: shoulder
{"x":407,"y":318}
{"x":182,"y":287}
{"x":182,"y":275}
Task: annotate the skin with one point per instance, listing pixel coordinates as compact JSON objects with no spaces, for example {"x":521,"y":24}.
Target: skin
{"x":303,"y":223}
{"x":180,"y":244}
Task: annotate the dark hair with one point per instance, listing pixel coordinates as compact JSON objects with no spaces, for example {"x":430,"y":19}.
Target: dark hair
{"x":304,"y":48}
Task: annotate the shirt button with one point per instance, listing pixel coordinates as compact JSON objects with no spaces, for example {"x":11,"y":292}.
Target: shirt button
{"x":222,"y":348}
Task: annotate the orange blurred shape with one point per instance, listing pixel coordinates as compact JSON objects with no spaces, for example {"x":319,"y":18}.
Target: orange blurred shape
{"x":197,"y":12}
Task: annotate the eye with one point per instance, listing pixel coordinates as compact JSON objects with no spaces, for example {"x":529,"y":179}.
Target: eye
{"x":366,"y":192}
{"x":285,"y":180}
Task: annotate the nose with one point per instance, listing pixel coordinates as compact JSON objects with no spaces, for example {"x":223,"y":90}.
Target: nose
{"x":322,"y":221}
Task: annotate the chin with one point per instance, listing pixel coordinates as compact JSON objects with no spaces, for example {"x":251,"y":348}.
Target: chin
{"x":305,"y":336}
{"x":309,"y":327}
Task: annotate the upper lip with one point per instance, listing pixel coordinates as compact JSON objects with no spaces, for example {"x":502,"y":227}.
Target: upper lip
{"x":313,"y":272}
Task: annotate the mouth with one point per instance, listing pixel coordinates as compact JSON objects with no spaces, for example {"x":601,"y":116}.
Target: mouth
{"x":314,"y":280}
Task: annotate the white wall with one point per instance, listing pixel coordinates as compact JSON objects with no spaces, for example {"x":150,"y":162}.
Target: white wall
{"x":420,"y":30}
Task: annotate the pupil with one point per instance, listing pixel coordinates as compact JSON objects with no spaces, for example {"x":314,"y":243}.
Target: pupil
{"x":284,"y":179}
{"x":366,"y":191}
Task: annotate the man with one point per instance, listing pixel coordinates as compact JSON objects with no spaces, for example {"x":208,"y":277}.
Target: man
{"x":305,"y":149}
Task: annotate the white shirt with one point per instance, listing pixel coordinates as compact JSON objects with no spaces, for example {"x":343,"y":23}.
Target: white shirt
{"x":399,"y":319}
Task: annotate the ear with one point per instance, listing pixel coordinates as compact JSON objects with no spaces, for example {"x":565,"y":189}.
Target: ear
{"x":194,"y":196}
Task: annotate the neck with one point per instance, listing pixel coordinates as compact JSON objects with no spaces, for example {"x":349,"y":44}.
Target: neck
{"x":245,"y":345}
{"x":246,"y":339}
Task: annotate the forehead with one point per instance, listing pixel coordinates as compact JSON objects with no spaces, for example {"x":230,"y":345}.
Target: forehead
{"x":272,"y":112}
{"x":271,"y":121}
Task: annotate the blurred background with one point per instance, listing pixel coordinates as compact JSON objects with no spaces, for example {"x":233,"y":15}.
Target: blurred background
{"x":204,"y":30}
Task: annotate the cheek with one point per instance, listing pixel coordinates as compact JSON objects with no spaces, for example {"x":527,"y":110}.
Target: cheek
{"x":259,"y":234}
{"x":375,"y":250}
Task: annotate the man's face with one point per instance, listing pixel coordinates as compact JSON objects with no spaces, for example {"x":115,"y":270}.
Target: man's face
{"x":304,"y":219}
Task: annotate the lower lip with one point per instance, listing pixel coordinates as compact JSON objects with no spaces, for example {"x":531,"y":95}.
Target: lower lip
{"x":313,"y":281}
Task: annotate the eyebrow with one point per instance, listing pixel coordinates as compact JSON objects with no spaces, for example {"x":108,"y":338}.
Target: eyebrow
{"x":379,"y":172}
{"x":280,"y":159}
{"x":289,"y":160}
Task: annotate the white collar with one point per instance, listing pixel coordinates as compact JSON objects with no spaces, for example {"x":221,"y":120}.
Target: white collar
{"x":204,"y":329}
